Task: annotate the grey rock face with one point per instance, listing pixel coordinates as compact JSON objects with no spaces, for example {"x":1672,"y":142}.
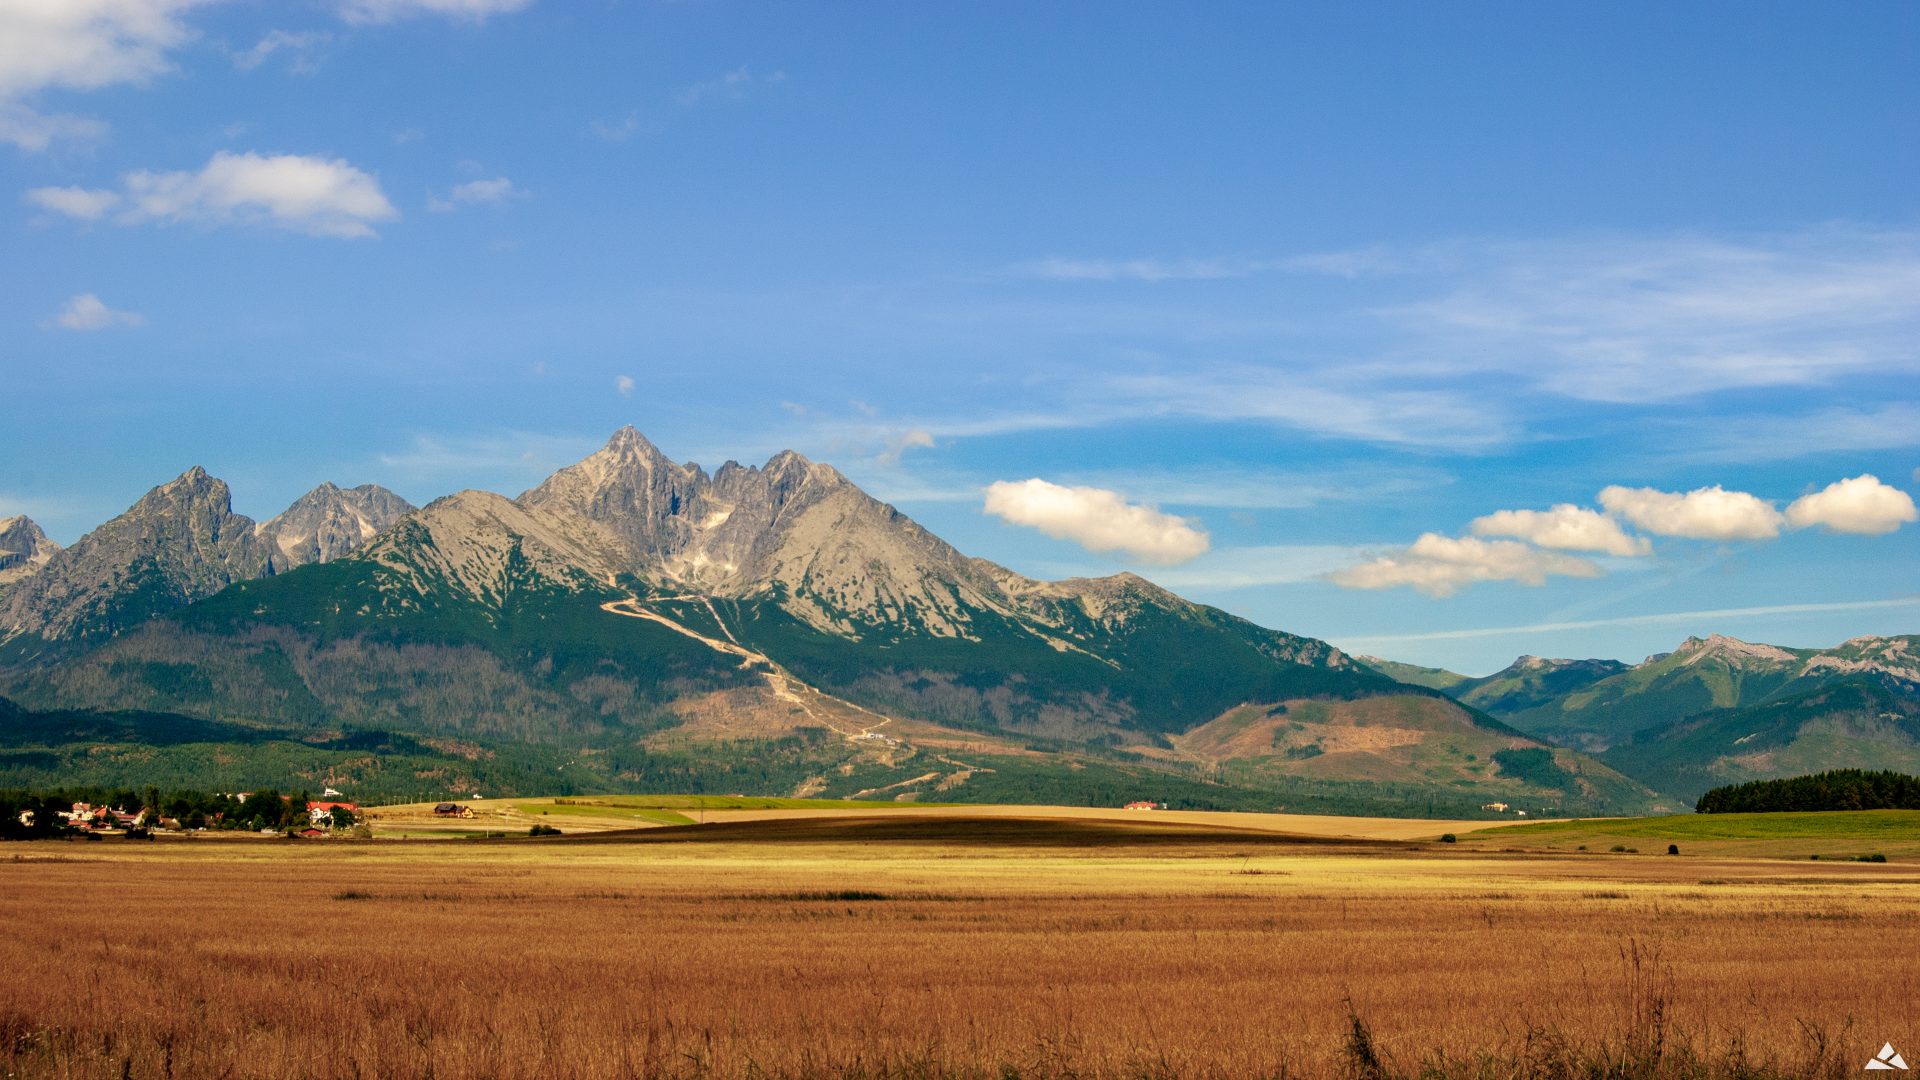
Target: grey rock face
{"x":24,"y":549}
{"x":329,"y":522}
{"x":180,"y":543}
{"x":793,"y":525}
{"x":840,"y":560}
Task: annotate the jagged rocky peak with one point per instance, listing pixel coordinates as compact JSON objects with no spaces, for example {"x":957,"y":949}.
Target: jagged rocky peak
{"x":629,"y":485}
{"x":179,"y":543}
{"x":329,"y":522}
{"x":24,"y":548}
{"x":192,"y":507}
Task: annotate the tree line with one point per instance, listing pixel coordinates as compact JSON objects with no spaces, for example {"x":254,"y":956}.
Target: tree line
{"x":1841,"y":789}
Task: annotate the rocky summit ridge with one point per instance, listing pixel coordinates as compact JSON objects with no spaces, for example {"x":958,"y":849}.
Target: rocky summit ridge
{"x":329,"y":522}
{"x":179,"y":543}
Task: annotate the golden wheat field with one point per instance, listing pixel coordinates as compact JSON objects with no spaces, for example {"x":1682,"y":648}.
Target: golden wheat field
{"x":905,"y":946}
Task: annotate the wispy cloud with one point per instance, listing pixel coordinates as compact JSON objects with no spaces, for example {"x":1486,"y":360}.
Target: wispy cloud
{"x":1260,"y":565}
{"x":499,"y":459}
{"x":300,"y":46}
{"x":381,"y":11}
{"x":1695,"y":618}
{"x":1761,"y":437}
{"x":1642,"y":319}
{"x":30,"y":129}
{"x":89,"y":312}
{"x":911,"y":439}
{"x":1317,"y":402}
{"x":735,"y":85}
{"x":491,"y":192}
{"x":1147,"y":269}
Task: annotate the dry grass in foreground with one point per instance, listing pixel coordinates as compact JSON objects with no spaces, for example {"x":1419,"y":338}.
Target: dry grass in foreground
{"x":815,"y":953}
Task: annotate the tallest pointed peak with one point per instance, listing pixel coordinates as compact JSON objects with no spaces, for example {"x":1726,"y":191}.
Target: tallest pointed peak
{"x":194,"y":482}
{"x":629,"y":440}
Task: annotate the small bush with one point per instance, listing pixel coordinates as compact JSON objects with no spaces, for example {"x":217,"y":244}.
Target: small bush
{"x":543,"y":829}
{"x":1620,"y":848}
{"x":1449,"y":838}
{"x":1875,"y":857}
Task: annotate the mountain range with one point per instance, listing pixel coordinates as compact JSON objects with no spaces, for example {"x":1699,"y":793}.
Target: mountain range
{"x":636,"y":623}
{"x":632,"y":621}
{"x":1715,"y":710}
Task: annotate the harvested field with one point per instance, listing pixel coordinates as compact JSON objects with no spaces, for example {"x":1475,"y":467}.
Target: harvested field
{"x":929,"y":947}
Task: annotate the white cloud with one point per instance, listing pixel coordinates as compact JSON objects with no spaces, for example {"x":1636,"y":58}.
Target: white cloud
{"x":1096,"y":519}
{"x":624,"y":384}
{"x":85,"y":44}
{"x":78,"y":45}
{"x":75,"y":202}
{"x":1861,"y":505}
{"x":1441,"y":565}
{"x":299,"y":43}
{"x":89,"y":312}
{"x":1709,"y":513}
{"x":311,"y":195}
{"x":380,"y":11}
{"x":477,"y":193}
{"x":1564,"y":528}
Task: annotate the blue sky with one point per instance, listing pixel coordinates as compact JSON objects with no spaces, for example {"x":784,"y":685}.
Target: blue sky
{"x":1261,"y":294}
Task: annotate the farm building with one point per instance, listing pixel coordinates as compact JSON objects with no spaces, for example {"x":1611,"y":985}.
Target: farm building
{"x":447,"y":809}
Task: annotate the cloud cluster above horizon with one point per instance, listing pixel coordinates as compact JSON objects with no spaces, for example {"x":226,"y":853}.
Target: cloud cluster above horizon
{"x":1440,"y":567}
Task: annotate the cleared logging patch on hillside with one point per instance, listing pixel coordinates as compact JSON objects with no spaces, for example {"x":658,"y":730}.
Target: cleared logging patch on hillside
{"x":843,"y":959}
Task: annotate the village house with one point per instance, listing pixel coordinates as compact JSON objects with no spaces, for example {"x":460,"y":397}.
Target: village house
{"x":321,"y":813}
{"x":447,"y":809}
{"x":1143,"y":805}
